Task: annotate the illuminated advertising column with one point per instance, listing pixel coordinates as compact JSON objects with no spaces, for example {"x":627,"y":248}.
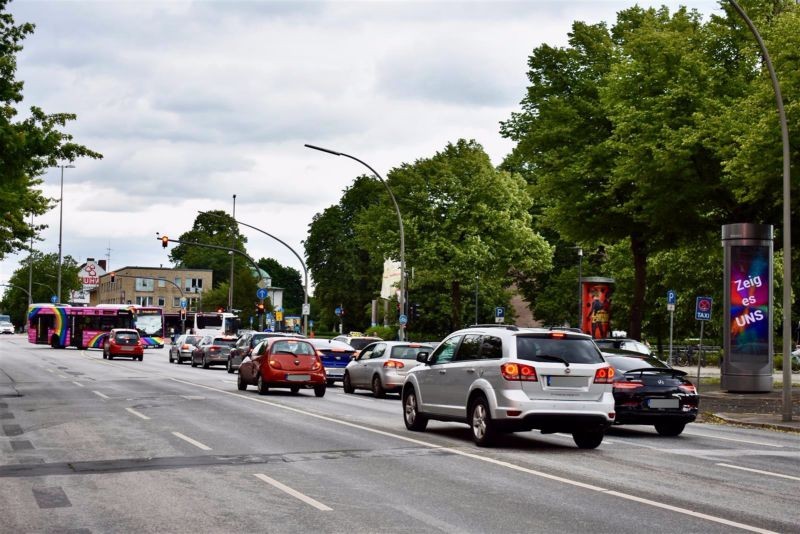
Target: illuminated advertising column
{"x":747,"y":308}
{"x":596,"y":305}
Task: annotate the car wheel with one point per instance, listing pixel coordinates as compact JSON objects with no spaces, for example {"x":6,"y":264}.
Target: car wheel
{"x":347,"y":386}
{"x":110,"y":356}
{"x":377,"y":388}
{"x":262,"y":387}
{"x":480,"y":420}
{"x":295,"y":390}
{"x":194,"y":363}
{"x":241,"y":384}
{"x":179,"y":360}
{"x":588,"y":440}
{"x":205,"y":363}
{"x":230,"y":368}
{"x":319,"y":391}
{"x":670,"y":428}
{"x":141,"y":358}
{"x":413,"y":419}
{"x":105,"y":354}
{"x":171,"y":359}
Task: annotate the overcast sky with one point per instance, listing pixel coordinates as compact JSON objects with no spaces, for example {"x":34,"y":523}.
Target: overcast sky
{"x":193,"y":102}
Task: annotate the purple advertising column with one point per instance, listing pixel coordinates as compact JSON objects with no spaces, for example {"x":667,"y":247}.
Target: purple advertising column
{"x":747,"y":308}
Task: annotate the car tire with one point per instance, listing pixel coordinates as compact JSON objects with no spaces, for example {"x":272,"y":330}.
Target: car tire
{"x":413,"y":419}
{"x":347,"y":386}
{"x":295,"y":390}
{"x":262,"y":387}
{"x":105,"y":354}
{"x":194,"y":363}
{"x":241,"y":385}
{"x":588,"y":439}
{"x":484,"y":429}
{"x":230,"y":368}
{"x":110,"y":356}
{"x":319,"y":391}
{"x":141,"y":358}
{"x":178,"y":360}
{"x":377,"y":388}
{"x":205,"y":363}
{"x":670,"y":428}
{"x":171,"y":359}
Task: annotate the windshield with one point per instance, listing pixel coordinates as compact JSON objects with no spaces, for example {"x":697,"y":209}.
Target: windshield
{"x":625,"y":363}
{"x":219,"y":341}
{"x":409,"y":353}
{"x":149,"y":325}
{"x":359,"y":343}
{"x":548,"y":349}
{"x":126,"y":336}
{"x":193,"y":340}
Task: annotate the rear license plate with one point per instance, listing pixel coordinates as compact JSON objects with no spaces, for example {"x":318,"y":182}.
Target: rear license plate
{"x":567,"y":381}
{"x":663,"y":403}
{"x":298,"y":378}
{"x":333,"y":371}
{"x":127,"y":349}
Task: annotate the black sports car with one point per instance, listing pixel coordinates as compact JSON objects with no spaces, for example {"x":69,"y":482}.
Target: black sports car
{"x":649,"y":392}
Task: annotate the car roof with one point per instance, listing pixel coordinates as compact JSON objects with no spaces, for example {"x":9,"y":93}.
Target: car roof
{"x":329,"y":343}
{"x":505,"y":330}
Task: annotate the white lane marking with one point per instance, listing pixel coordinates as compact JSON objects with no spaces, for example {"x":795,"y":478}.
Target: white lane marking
{"x":78,"y":384}
{"x":501,"y":463}
{"x":192,"y":441}
{"x":689,"y":512}
{"x":760,"y":472}
{"x":734,"y":439}
{"x":101,"y":395}
{"x":49,"y":370}
{"x":137,"y":414}
{"x":62,"y":376}
{"x":294,"y":493}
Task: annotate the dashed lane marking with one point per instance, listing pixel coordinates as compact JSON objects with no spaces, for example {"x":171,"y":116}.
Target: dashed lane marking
{"x":138,"y":414}
{"x":760,"y":472}
{"x":294,"y":493}
{"x":192,"y":441}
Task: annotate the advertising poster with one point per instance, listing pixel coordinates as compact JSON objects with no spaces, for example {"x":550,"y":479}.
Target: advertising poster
{"x":596,"y":305}
{"x":750,"y":304}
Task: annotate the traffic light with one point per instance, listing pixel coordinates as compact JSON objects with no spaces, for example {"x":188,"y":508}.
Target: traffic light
{"x":183,"y":314}
{"x":220,"y":309}
{"x":414,"y":311}
{"x":113,"y":275}
{"x":260,"y":309}
{"x":164,"y":241}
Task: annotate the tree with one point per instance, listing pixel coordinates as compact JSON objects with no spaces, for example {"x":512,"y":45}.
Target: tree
{"x":29,"y":146}
{"x":45,"y":269}
{"x":463,"y":218}
{"x":611,"y":136}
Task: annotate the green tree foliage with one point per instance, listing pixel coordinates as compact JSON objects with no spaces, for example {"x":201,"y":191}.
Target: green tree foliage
{"x":463,"y":218}
{"x":345,"y":273}
{"x":44,"y":280}
{"x":613,"y":135}
{"x":28,"y":147}
{"x":290,"y":280}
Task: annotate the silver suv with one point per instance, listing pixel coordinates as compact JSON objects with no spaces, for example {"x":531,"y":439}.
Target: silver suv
{"x":506,"y":379}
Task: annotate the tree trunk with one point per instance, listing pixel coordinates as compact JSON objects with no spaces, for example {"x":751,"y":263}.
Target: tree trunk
{"x":455,"y":297}
{"x":639,"y":250}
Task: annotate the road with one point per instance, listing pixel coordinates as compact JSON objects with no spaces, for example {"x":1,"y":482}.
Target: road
{"x":90,"y":445}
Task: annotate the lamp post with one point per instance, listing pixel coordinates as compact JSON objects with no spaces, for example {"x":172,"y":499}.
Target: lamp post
{"x":30,"y":266}
{"x":61,"y":225}
{"x":302,"y":263}
{"x":233,"y":245}
{"x":402,"y":298}
{"x":787,"y":220}
{"x":580,"y":289}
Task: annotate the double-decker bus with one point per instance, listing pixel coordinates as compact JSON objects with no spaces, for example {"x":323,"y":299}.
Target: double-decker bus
{"x":87,"y":326}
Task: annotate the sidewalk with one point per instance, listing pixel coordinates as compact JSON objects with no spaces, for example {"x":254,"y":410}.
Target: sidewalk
{"x":761,"y":410}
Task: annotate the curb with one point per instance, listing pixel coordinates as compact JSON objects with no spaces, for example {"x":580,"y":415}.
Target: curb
{"x":733,"y":420}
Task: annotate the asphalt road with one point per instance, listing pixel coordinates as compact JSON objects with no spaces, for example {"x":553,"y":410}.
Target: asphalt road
{"x":90,"y":445}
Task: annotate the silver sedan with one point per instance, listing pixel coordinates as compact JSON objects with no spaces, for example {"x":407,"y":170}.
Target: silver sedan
{"x":382,"y":366}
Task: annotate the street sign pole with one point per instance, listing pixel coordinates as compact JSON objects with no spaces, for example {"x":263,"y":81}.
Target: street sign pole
{"x":700,"y":356}
{"x":702,"y":313}
{"x":671,"y":298}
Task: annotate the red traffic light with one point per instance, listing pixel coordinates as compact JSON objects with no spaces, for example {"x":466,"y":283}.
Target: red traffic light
{"x":164,"y":241}
{"x":113,"y":275}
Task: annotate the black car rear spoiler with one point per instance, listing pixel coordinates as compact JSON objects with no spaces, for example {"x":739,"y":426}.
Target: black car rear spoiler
{"x":659,"y":370}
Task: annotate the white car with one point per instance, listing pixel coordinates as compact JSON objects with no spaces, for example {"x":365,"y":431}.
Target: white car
{"x":507,"y":379}
{"x":6,"y":328}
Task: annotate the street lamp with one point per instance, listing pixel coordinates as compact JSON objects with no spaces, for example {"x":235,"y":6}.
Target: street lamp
{"x":580,"y":289}
{"x":61,"y":225}
{"x":402,"y":298}
{"x":233,"y":245}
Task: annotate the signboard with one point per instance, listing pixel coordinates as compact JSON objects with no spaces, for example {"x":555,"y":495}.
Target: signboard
{"x":702,"y":310}
{"x":338,"y":311}
{"x":499,"y":314}
{"x":184,"y":302}
{"x":391,"y":278}
{"x":596,"y":306}
{"x":279,"y":316}
{"x":261,"y":293}
{"x":306,"y":309}
{"x":54,"y":299}
{"x":750,"y":302}
{"x":403,"y":320}
{"x":672,"y":297}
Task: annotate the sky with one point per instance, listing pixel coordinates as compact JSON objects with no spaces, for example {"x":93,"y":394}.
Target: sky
{"x":193,"y":102}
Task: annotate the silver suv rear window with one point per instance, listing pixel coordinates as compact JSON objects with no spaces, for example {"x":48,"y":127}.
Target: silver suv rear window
{"x":555,"y":349}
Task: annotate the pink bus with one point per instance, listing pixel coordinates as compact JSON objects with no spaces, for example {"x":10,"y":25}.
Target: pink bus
{"x":86,"y":327}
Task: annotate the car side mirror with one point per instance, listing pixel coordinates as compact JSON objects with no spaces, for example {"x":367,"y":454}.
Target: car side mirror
{"x":422,"y":357}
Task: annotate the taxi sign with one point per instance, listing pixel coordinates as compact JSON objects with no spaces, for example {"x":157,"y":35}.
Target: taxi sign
{"x":702,"y":310}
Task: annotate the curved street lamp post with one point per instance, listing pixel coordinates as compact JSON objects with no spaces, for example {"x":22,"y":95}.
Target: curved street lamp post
{"x":402,"y":298}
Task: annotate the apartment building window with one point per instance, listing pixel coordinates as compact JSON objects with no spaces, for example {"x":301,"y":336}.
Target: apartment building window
{"x":178,"y":281}
{"x":194,"y":285}
{"x":145,"y":284}
{"x":144,"y":300}
{"x":162,"y":301}
{"x":176,"y":302}
{"x":162,"y":282}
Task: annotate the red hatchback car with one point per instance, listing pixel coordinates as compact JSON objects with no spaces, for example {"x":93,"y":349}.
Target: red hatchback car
{"x":123,"y":342}
{"x":283,"y":363}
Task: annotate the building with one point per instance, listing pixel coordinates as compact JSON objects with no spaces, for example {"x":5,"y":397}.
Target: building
{"x":153,"y":286}
{"x":89,"y":276}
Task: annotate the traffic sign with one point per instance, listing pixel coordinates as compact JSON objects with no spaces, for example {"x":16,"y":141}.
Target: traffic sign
{"x":338,"y":311}
{"x":54,"y":299}
{"x":279,"y":316}
{"x":499,"y":314}
{"x":261,"y":293}
{"x":702,"y":310}
{"x":403,"y":320}
{"x":306,"y":309}
{"x":184,"y":302}
{"x":670,"y":307}
{"x":262,"y":284}
{"x":672,"y":297}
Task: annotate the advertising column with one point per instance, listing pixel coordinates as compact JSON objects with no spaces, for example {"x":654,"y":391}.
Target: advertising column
{"x":747,"y":308}
{"x":596,"y":305}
